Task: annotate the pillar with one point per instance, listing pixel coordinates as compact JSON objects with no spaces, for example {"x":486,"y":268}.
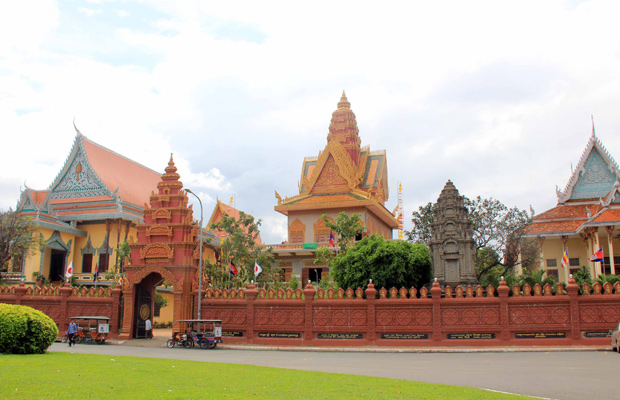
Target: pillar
{"x":250,"y":296}
{"x":610,"y":246}
{"x":371,"y":297}
{"x":503,"y":291}
{"x":436,"y":295}
{"x":308,"y":299}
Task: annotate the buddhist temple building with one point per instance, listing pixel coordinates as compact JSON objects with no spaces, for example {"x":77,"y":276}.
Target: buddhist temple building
{"x":585,"y":219}
{"x":343,"y":177}
{"x":222,"y":210}
{"x":96,"y":203}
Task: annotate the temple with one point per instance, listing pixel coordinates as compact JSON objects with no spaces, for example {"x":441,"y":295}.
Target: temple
{"x":585,"y":219}
{"x":343,"y":177}
{"x":86,"y":213}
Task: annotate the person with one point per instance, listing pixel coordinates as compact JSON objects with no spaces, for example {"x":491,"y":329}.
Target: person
{"x":71,"y":332}
{"x":149,"y":329}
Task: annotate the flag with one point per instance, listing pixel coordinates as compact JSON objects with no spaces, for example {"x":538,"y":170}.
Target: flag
{"x":598,"y":256}
{"x":120,"y":282}
{"x":69,"y":272}
{"x":257,"y":269}
{"x":332,"y":242}
{"x":232,"y":199}
{"x":232,"y":269}
{"x":564,"y":261}
{"x":96,"y":275}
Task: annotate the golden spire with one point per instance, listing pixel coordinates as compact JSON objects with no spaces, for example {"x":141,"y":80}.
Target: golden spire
{"x":344,"y":102}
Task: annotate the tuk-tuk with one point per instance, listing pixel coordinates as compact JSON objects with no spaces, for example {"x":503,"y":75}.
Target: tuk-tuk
{"x":91,"y":329}
{"x":205,"y":333}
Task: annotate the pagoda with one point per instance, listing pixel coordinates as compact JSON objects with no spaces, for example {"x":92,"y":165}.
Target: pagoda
{"x":452,"y":245}
{"x":343,"y":177}
{"x":166,"y":250}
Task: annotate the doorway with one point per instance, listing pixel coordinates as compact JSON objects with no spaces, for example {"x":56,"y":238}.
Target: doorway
{"x":57,"y":265}
{"x":143,"y":310}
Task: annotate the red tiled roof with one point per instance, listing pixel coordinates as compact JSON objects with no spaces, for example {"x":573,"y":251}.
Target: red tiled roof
{"x":567,"y":212}
{"x":609,"y":215}
{"x":218,"y":213}
{"x":134,"y":181}
{"x":38,"y":196}
{"x":555,"y":227}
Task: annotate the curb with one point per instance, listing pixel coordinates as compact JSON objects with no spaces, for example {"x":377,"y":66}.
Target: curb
{"x":538,"y":349}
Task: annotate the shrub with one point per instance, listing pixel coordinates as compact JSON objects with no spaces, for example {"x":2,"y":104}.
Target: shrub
{"x":24,"y":330}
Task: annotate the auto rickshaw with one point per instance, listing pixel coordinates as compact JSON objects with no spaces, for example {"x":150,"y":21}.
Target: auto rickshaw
{"x":205,"y":333}
{"x":91,"y":329}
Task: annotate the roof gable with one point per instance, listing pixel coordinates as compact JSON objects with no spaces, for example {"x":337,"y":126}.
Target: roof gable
{"x":77,"y":178}
{"x":595,"y":174}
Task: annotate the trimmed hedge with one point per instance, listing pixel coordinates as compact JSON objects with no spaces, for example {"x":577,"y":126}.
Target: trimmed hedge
{"x":24,"y":330}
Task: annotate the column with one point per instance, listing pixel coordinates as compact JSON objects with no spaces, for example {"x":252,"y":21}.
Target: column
{"x":610,"y":246}
{"x":541,"y":241}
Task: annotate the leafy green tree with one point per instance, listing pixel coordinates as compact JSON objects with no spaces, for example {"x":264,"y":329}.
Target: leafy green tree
{"x":387,"y":263}
{"x":346,"y":228}
{"x":160,"y":301}
{"x":422,"y":219}
{"x":240,"y":247}
{"x":18,"y":239}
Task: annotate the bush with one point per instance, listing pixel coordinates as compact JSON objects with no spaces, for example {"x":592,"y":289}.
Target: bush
{"x":24,"y":330}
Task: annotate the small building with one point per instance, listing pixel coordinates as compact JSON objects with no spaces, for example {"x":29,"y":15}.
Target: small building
{"x":343,"y":177}
{"x":586,"y":218}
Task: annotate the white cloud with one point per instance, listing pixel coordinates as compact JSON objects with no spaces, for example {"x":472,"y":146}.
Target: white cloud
{"x":496,"y":96}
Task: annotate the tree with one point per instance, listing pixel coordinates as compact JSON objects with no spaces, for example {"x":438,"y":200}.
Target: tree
{"x":497,"y":233}
{"x":421,"y":230}
{"x":18,"y":238}
{"x":239,"y":247}
{"x":347,"y":228}
{"x":387,"y":263}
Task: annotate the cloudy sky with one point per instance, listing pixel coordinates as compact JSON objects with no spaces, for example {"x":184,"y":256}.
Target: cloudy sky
{"x":496,"y":96}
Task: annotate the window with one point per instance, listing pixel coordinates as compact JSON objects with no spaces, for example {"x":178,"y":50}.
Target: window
{"x":104,"y":258}
{"x":87,"y":263}
{"x":156,"y":309}
{"x":552,"y":272}
{"x":552,"y":263}
{"x":573,"y":262}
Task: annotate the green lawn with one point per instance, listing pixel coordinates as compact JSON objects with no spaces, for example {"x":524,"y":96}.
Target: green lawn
{"x":85,"y":376}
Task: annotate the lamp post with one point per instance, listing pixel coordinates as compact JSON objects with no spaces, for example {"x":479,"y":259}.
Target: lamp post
{"x":199,"y":255}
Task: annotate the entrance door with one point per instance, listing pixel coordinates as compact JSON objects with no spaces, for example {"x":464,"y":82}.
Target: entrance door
{"x":57,"y":265}
{"x":144,"y":301}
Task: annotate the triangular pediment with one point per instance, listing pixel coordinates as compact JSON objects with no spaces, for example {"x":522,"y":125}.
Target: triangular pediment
{"x":77,"y":178}
{"x":595,"y":174}
{"x":334,"y":169}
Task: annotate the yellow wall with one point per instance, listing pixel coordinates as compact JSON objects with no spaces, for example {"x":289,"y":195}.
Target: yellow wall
{"x":166,"y":314}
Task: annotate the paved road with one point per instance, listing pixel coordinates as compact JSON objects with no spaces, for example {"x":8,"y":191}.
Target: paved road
{"x":557,"y":375}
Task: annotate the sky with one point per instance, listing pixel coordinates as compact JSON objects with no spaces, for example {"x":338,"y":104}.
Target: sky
{"x":497,"y":96}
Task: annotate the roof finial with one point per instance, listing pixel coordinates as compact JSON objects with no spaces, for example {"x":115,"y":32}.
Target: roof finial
{"x":344,"y":102}
{"x":76,"y":128}
{"x":593,"y":132}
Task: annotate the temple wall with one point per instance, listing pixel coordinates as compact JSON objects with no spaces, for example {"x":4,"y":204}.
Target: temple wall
{"x":62,"y":302}
{"x":452,"y":317}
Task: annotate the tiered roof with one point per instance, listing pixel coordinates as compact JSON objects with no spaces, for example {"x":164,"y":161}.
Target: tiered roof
{"x":94,"y":183}
{"x":344,"y":174}
{"x":218,"y":213}
{"x":591,"y":197}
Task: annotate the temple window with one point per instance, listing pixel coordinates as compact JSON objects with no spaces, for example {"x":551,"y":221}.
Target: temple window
{"x":552,"y":263}
{"x":104,"y":259}
{"x":553,"y":272}
{"x":573,"y":262}
{"x":87,"y":263}
{"x":296,"y":232}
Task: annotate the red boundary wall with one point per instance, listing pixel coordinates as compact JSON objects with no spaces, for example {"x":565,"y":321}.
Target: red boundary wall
{"x":450,"y":317}
{"x":62,"y":302}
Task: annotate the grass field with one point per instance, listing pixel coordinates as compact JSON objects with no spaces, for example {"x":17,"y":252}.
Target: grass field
{"x":84,"y":376}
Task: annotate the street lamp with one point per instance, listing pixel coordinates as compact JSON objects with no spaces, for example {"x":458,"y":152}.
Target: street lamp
{"x":199,"y":256}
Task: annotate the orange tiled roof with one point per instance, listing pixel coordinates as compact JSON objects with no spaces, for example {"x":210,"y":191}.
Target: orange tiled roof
{"x":567,"y":211}
{"x":609,"y":215}
{"x":555,"y":227}
{"x":134,"y":181}
{"x":218,"y":213}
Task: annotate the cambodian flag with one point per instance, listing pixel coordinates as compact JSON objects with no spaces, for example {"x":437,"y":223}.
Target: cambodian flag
{"x":96,"y":275}
{"x":232,"y":269}
{"x":332,"y":242}
{"x":598,"y":256}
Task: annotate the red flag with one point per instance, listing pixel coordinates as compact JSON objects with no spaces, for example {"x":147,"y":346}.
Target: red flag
{"x":232,"y":269}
